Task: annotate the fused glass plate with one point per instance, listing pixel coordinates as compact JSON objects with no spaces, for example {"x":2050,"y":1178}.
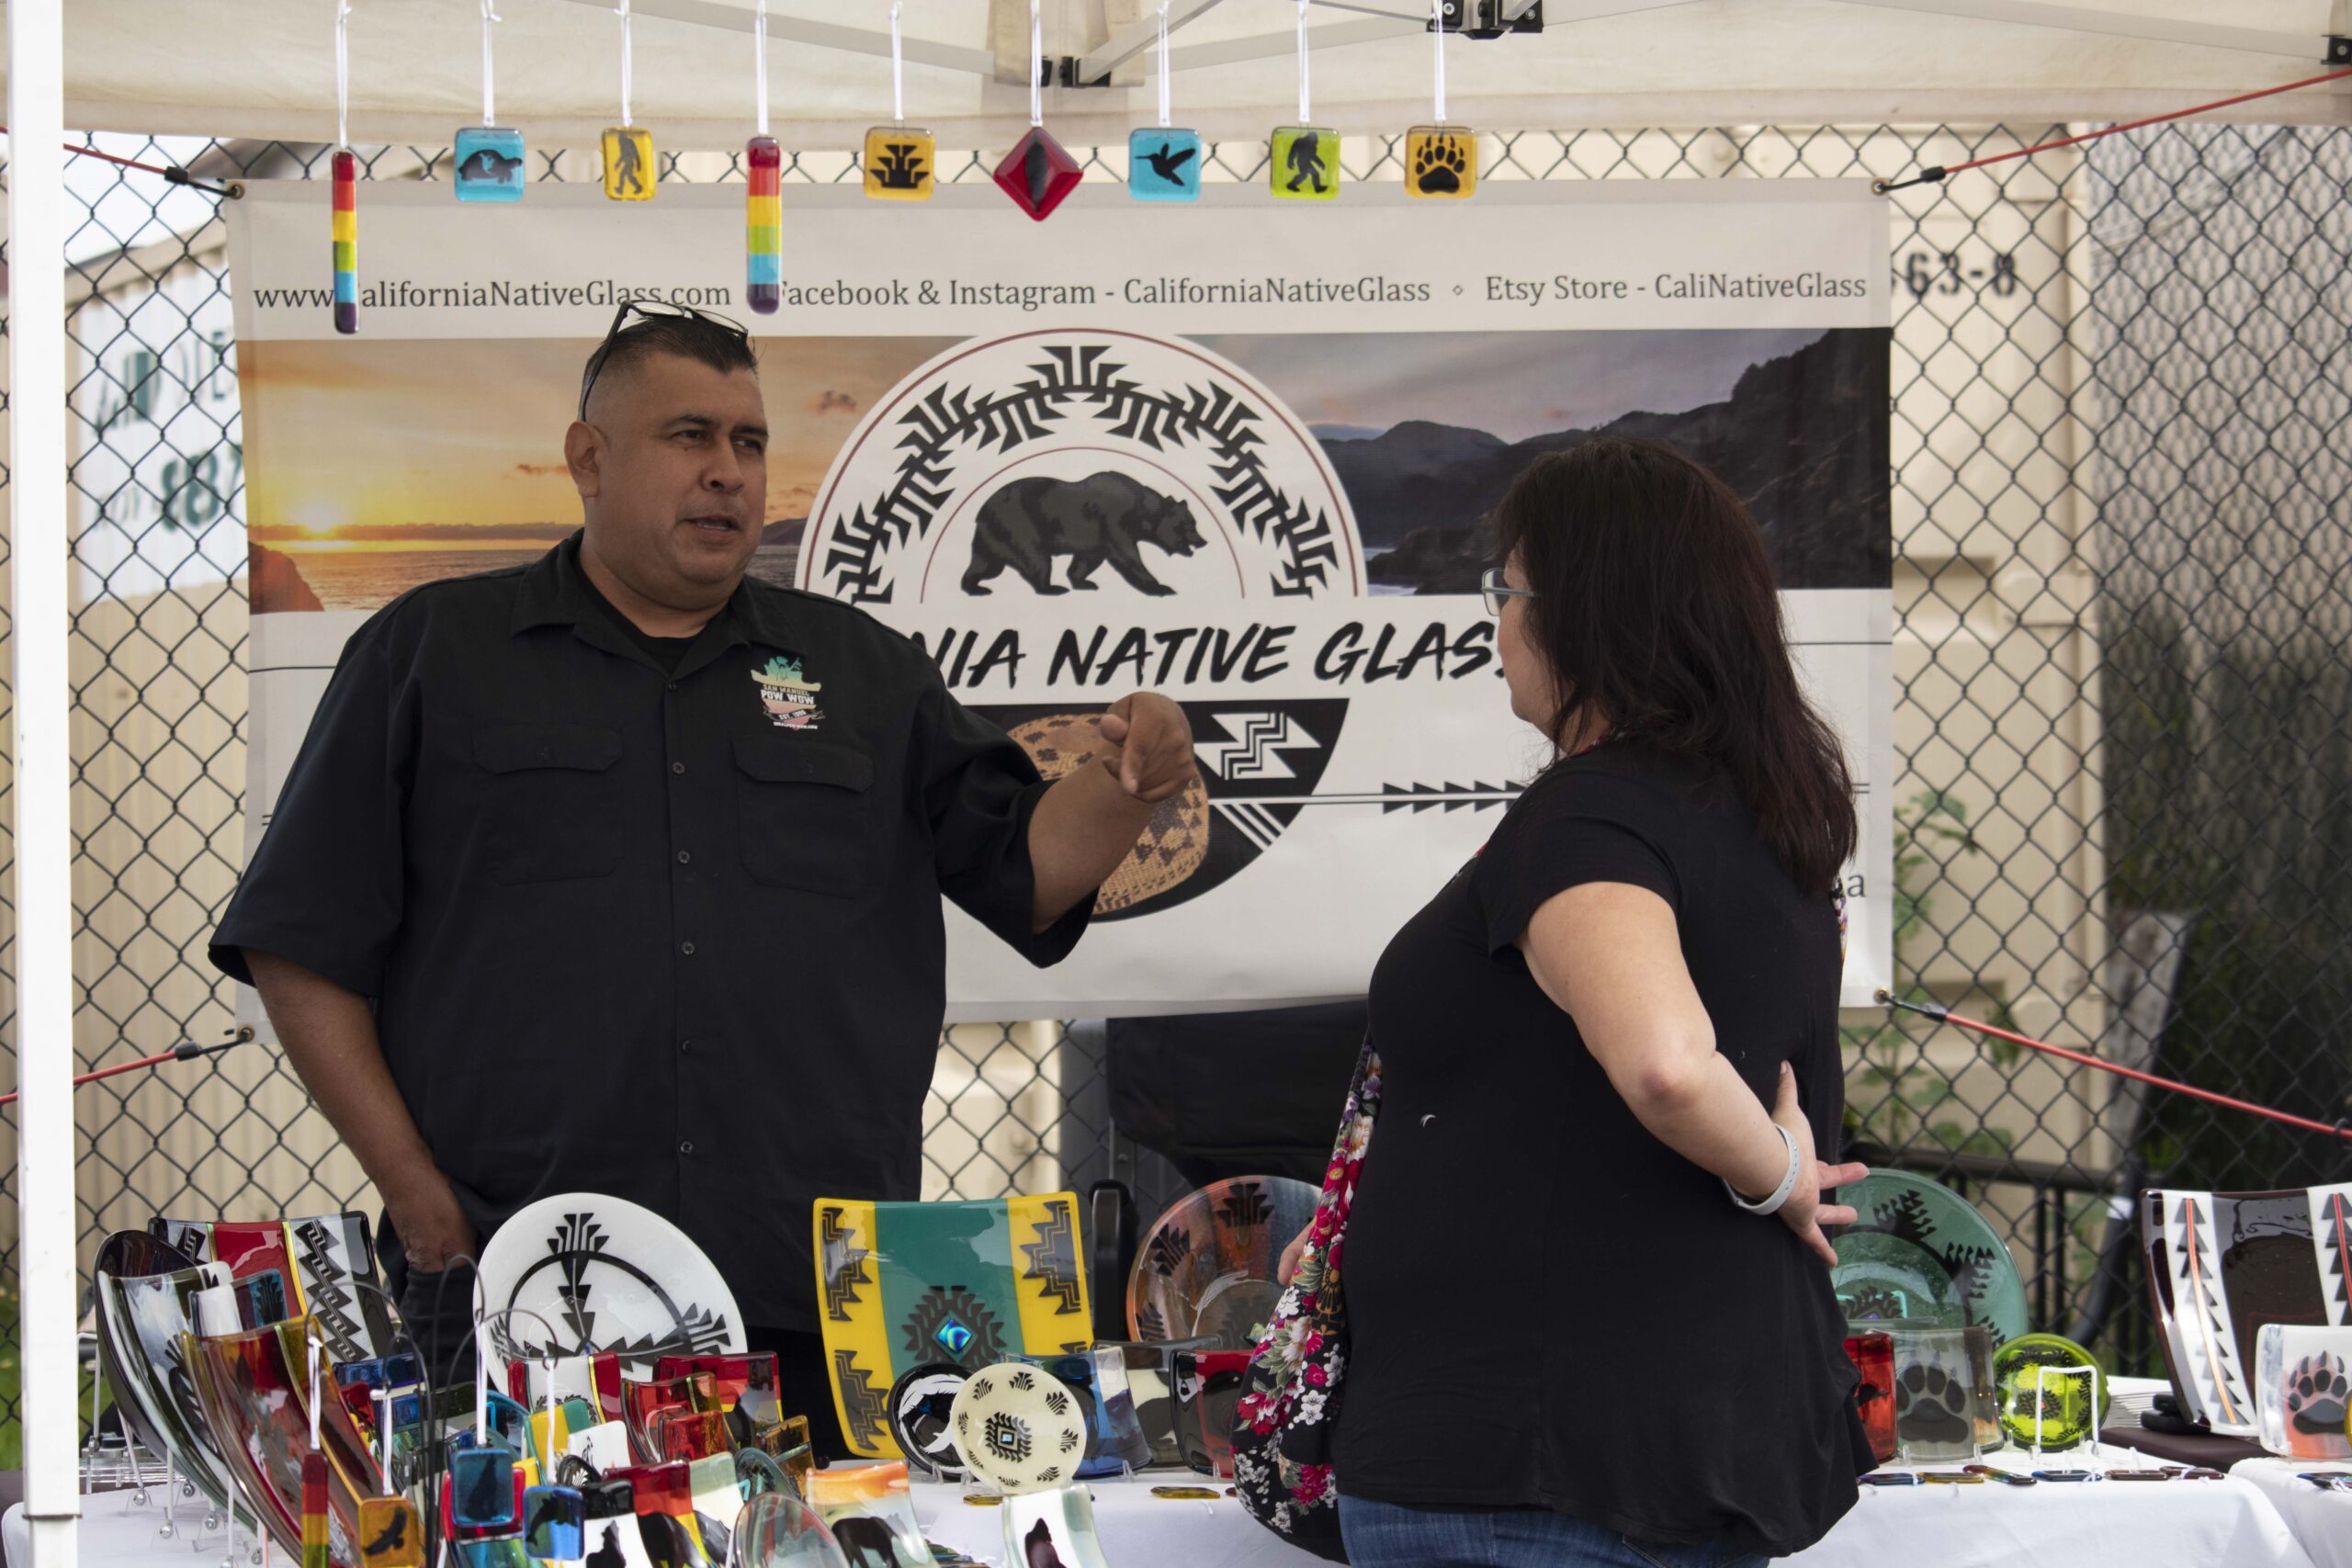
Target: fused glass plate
{"x":1208,"y":1387}
{"x":1114,"y":1436}
{"x":1019,"y":1428}
{"x":143,"y":1323}
{"x":1151,"y":1384}
{"x":902,"y":1285}
{"x":127,"y":1254}
{"x":607,"y":1274}
{"x":871,"y":1511}
{"x":2222,"y":1265}
{"x":2046,"y":1390}
{"x":1053,"y":1528}
{"x":777,"y":1531}
{"x":1943,"y":1392}
{"x":1920,"y":1252}
{"x":921,"y":1403}
{"x":1206,"y":1269}
{"x":1873,"y":1357}
{"x":249,"y":1398}
{"x":334,"y":1269}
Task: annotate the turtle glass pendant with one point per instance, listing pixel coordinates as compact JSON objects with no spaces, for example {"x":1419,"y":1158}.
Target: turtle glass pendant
{"x":1441,"y":162}
{"x":1037,"y":173}
{"x":1164,"y":164}
{"x":1305,"y":164}
{"x":629,"y":163}
{"x":489,"y":165}
{"x":898,"y":164}
{"x":764,"y":224}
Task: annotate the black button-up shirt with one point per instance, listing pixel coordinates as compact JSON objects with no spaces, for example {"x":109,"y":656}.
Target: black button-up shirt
{"x":674,"y":935}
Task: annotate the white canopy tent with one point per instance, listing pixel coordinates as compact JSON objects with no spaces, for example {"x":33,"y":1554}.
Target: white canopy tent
{"x":266,"y":69}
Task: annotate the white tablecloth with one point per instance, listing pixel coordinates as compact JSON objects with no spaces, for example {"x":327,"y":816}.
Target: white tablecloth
{"x":2234,"y":1523}
{"x":2321,"y":1519}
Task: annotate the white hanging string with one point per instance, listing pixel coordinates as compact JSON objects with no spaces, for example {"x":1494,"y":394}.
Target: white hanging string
{"x":898,"y":70}
{"x":1036,"y":66}
{"x":342,"y":76}
{"x":1163,"y":64}
{"x":1305,"y":113}
{"x":623,"y":9}
{"x":488,"y":96}
{"x":312,"y":1343}
{"x":1437,"y":36}
{"x":760,"y":92}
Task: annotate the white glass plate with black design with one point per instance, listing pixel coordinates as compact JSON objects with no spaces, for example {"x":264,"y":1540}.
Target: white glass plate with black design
{"x":1018,"y":1428}
{"x":1206,"y":1270}
{"x":1921,"y":1252}
{"x":608,"y":1276}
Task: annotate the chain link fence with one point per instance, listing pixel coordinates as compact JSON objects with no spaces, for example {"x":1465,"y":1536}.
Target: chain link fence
{"x":2121,"y":421}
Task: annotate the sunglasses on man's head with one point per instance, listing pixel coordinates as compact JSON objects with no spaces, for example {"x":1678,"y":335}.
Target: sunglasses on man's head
{"x":651,"y":310}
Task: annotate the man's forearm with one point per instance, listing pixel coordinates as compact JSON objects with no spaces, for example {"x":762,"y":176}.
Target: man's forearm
{"x":330,"y":1036}
{"x":1082,"y":827}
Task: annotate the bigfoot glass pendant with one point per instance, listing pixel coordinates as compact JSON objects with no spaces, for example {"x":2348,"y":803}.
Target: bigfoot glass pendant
{"x":629,"y":163}
{"x":898,"y":164}
{"x":1037,"y":173}
{"x":764,"y":224}
{"x":1442,"y":161}
{"x":1164,"y":164}
{"x":1304,"y":165}
{"x":488,"y":163}
{"x":346,"y":242}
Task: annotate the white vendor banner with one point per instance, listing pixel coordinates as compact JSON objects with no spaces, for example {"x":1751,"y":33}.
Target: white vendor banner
{"x":1240,"y":452}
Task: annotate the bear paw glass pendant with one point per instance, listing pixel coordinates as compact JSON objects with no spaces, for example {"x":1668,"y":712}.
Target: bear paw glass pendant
{"x":1441,"y":162}
{"x":1037,"y":173}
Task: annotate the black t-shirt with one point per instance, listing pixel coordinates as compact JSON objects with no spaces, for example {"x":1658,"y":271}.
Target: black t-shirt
{"x":670,"y":934}
{"x":1548,"y":1306}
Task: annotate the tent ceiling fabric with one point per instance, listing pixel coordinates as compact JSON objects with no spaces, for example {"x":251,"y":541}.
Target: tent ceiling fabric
{"x":265,"y":68}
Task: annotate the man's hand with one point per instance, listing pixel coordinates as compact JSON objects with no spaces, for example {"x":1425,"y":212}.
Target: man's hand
{"x":433,"y":1228}
{"x":1155,"y":742}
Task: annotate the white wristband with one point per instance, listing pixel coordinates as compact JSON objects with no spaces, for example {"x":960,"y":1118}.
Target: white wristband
{"x":1788,"y":1183}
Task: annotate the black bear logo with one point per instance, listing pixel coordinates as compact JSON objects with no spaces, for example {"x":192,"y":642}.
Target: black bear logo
{"x":1102,"y":517}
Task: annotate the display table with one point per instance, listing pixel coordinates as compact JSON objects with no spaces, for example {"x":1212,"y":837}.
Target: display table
{"x":2234,"y":1523}
{"x":2321,"y":1519}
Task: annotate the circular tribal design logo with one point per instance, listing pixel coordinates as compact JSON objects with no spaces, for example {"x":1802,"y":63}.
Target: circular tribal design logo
{"x":1081,"y":461}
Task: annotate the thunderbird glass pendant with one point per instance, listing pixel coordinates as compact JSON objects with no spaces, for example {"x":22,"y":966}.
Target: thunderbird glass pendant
{"x":899,"y":163}
{"x":1441,"y":160}
{"x":628,"y":152}
{"x":488,"y":160}
{"x":1164,"y":164}
{"x":1302,"y":161}
{"x":1037,"y":173}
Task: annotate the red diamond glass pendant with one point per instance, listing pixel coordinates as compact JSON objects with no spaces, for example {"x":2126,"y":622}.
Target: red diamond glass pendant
{"x":1037,"y":173}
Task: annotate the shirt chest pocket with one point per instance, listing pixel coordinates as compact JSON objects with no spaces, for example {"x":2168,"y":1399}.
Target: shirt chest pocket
{"x":804,"y":812}
{"x":551,"y":801}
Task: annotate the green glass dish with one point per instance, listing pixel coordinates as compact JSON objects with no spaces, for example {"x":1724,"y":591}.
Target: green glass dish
{"x":2058,"y":1411}
{"x":1921,"y":1251}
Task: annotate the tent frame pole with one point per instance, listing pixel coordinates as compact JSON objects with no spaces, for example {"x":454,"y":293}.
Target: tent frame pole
{"x":40,"y":799}
{"x":2088,"y":19}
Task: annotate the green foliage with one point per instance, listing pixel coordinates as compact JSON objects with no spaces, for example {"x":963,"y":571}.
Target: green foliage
{"x":1904,"y":1091}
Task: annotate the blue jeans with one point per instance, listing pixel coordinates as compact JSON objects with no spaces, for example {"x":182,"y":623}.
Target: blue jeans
{"x":1383,"y":1534}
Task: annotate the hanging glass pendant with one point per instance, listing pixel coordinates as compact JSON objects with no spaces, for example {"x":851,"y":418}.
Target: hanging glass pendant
{"x":764,"y":224}
{"x":1037,"y":173}
{"x":1305,"y":164}
{"x":629,"y":163}
{"x":346,"y":242}
{"x":488,"y":163}
{"x":898,"y":164}
{"x":1442,"y":161}
{"x":1164,"y":164}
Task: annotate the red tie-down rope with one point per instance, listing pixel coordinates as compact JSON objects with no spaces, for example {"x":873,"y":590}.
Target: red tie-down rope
{"x":171,"y":171}
{"x":186,"y":1051}
{"x":1942,"y":1014}
{"x":1936,"y":174}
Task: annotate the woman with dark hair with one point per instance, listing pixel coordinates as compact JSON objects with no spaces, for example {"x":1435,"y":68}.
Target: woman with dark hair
{"x":1588,"y":1293}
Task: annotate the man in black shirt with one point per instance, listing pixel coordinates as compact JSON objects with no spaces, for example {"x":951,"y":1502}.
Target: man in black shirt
{"x":621,"y":872}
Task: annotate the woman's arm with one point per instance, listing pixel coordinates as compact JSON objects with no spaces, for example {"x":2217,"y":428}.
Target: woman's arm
{"x":1609,"y":953}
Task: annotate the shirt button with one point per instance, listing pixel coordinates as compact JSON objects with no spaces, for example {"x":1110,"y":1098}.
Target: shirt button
{"x":684,"y":857}
{"x":684,"y":1046}
{"x":686,"y":1148}
{"x":673,"y":686}
{"x":677,"y":767}
{"x":687,"y":948}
